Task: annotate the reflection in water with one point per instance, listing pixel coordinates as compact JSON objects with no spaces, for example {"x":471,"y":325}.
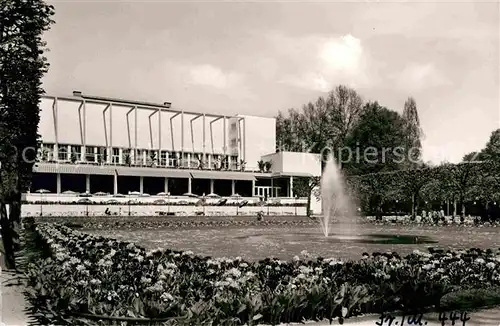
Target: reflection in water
{"x":341,"y":238}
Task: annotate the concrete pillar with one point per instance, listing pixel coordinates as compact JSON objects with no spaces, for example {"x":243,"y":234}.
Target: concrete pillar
{"x":166,"y":186}
{"x":115,"y":184}
{"x":188,"y":160}
{"x":120,"y":158}
{"x":55,"y":153}
{"x":189,"y":185}
{"x":141,"y":184}
{"x":87,"y":183}
{"x":212,"y":186}
{"x":291,"y":187}
{"x":233,"y":187}
{"x":209,"y":161}
{"x":253,"y":187}
{"x":58,"y":183}
{"x":167,"y":158}
{"x":82,"y":153}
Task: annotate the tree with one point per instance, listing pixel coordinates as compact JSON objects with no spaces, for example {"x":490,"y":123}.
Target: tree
{"x":411,"y":183}
{"x":462,"y":179}
{"x":303,"y":187}
{"x":376,"y":143}
{"x":22,"y":67}
{"x":345,"y":107}
{"x":268,"y":165}
{"x":491,"y":151}
{"x":412,"y":133}
{"x":374,"y":189}
{"x":322,"y":125}
{"x":262,"y":165}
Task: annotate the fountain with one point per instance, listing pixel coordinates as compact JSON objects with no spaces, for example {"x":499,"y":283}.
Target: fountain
{"x":338,"y":208}
{"x":336,"y":202}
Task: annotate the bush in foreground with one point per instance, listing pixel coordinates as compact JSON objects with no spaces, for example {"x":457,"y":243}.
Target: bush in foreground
{"x":86,"y":274}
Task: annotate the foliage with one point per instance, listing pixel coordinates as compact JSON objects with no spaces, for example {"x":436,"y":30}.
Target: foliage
{"x":491,"y":152}
{"x":303,"y":187}
{"x":22,"y":66}
{"x":320,"y":125}
{"x":262,"y":165}
{"x":463,"y":182}
{"x":102,"y":276}
{"x":73,"y":157}
{"x":268,"y":165}
{"x":467,"y":300}
{"x":127,"y":159}
{"x":413,"y":133}
{"x":379,"y":138}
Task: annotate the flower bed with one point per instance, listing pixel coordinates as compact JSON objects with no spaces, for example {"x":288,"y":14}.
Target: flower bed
{"x":82,"y":273}
{"x":419,"y":220}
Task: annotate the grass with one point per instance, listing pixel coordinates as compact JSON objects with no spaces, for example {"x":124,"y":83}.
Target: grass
{"x":471,"y":299}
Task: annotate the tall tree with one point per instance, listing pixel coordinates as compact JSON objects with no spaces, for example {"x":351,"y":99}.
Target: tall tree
{"x":344,"y":106}
{"x":413,"y":133}
{"x":376,"y":142}
{"x":22,"y":66}
{"x":491,"y":151}
{"x":411,"y":182}
{"x":322,"y":125}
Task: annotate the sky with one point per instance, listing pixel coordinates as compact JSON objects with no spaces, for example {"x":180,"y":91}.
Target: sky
{"x":259,"y":58}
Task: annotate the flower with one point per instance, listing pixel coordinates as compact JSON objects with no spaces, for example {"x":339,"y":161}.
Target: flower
{"x":166,"y":297}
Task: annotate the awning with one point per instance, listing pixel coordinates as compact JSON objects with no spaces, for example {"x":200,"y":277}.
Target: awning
{"x":73,"y":169}
{"x":284,"y":175}
{"x":292,"y":174}
{"x":223,"y":175}
{"x":152,"y":172}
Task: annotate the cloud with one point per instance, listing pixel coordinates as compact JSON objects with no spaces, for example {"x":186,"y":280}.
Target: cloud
{"x":208,"y":75}
{"x":342,"y":54}
{"x":318,"y":62}
{"x":417,"y":76}
{"x":316,"y":82}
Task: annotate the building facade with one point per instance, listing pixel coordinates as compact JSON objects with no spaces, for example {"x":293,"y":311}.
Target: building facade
{"x":97,"y":144}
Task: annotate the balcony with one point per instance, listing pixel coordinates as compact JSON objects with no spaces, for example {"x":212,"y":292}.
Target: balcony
{"x":94,"y":159}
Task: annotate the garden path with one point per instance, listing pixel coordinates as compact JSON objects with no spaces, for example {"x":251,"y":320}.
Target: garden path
{"x":12,"y":302}
{"x":486,"y":317}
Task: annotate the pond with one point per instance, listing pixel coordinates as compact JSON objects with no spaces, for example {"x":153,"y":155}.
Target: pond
{"x":255,"y":242}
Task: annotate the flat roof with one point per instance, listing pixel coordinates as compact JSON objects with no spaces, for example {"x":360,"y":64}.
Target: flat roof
{"x":166,"y":106}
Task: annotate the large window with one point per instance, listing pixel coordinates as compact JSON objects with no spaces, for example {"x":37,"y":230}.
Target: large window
{"x":164,"y":158}
{"x":115,"y":158}
{"x":62,"y":152}
{"x":47,"y":153}
{"x":101,"y":155}
{"x":76,"y":153}
{"x":126,"y":157}
{"x":139,"y":160}
{"x":89,"y":154}
{"x":173,"y":160}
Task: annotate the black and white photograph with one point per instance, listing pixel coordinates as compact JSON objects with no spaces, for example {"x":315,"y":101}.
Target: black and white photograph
{"x":225,"y":163}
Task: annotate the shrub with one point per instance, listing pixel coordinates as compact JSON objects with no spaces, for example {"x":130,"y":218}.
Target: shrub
{"x":82,"y":273}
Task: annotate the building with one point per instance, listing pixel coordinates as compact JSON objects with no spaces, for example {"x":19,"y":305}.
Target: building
{"x":96,"y":144}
